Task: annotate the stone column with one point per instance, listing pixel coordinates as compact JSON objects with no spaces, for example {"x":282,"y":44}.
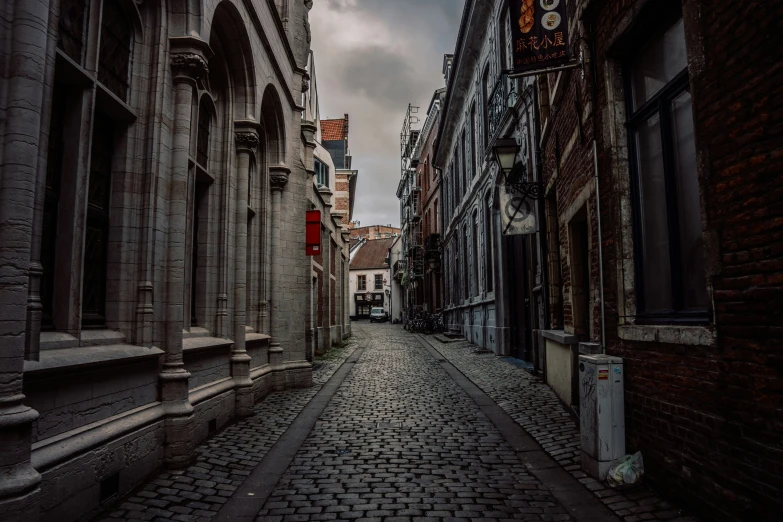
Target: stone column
{"x":24,"y":80}
{"x":326,"y":282}
{"x":278,"y":178}
{"x":189,"y":65}
{"x":246,"y":142}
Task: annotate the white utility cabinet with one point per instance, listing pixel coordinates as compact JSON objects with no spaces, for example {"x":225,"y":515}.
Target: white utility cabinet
{"x":601,"y":412}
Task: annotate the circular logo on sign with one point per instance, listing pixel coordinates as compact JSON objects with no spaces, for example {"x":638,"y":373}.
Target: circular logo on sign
{"x":549,"y":5}
{"x":517,"y":209}
{"x":550,"y":21}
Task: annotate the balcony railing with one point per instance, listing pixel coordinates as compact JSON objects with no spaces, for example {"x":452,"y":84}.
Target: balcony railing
{"x":498,"y":104}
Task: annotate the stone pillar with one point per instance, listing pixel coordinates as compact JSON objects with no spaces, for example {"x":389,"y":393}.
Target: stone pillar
{"x":24,"y":80}
{"x":338,"y":296}
{"x":278,"y":178}
{"x":189,"y":65}
{"x":246,"y":142}
{"x":326,"y":281}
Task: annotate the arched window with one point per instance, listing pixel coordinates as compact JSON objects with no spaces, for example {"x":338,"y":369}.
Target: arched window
{"x":73,"y":14}
{"x":202,"y":143}
{"x":115,"y":51}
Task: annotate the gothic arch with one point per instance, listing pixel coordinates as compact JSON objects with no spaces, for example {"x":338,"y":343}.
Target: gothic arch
{"x":272,"y":119}
{"x":234,"y":58}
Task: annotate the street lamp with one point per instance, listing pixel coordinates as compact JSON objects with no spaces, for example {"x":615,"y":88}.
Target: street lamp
{"x":506,"y":150}
{"x":513,"y":172}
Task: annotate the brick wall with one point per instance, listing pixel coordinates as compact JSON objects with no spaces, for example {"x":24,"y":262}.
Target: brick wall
{"x":707,"y":417}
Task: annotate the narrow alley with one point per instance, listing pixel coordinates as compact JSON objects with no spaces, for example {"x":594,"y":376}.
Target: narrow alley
{"x":392,"y":430}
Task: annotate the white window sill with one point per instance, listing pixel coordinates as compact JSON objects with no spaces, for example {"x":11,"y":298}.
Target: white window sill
{"x":668,"y":334}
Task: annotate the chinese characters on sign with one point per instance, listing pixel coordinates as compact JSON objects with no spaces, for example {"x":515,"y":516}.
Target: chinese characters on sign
{"x":540,"y":31}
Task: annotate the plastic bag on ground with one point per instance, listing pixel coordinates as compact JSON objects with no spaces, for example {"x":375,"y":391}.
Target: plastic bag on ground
{"x":626,"y":471}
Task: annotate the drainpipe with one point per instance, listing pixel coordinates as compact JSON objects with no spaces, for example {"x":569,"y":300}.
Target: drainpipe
{"x":600,"y":241}
{"x":594,"y":109}
{"x":541,"y":213}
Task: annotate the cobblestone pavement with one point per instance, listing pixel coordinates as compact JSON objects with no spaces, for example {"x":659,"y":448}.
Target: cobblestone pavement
{"x":401,"y":441}
{"x":225,"y":459}
{"x":535,"y":407}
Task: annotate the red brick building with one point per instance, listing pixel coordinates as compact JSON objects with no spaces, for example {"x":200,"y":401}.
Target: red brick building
{"x":680,"y":101}
{"x":334,"y":138}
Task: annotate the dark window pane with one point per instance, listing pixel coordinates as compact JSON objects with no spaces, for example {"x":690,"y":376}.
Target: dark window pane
{"x":202,"y":143}
{"x":51,"y":205}
{"x":115,"y":54}
{"x":71,"y":28}
{"x":488,"y":239}
{"x":655,"y":232}
{"x":689,"y":204}
{"x":658,"y":63}
{"x":97,"y":233}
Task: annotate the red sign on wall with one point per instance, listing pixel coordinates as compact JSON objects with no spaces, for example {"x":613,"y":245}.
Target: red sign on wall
{"x":313,"y":233}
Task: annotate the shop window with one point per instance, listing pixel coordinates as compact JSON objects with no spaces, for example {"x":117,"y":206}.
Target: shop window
{"x":669,"y":245}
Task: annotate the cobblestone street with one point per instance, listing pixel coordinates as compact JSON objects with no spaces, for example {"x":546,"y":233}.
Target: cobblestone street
{"x":397,"y":434}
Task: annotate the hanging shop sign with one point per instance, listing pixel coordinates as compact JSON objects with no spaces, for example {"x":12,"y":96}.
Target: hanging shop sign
{"x":313,"y":233}
{"x":518,"y":213}
{"x":540,"y":31}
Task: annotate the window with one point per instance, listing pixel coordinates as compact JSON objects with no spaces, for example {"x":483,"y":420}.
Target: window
{"x":73,"y":14}
{"x":379,"y":281}
{"x":51,"y":206}
{"x":97,"y":231}
{"x":485,"y":92}
{"x":475,"y":238}
{"x":490,"y":276}
{"x":202,"y":143}
{"x":667,"y":210}
{"x":115,"y":50}
{"x":473,"y":151}
{"x":465,"y":272}
{"x":361,"y":283}
{"x":465,"y":177}
{"x":321,"y":173}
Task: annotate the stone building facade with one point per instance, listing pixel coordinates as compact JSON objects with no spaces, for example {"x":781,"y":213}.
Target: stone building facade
{"x":659,"y":160}
{"x":330,"y":311}
{"x":493,"y":292}
{"x":155,"y":169}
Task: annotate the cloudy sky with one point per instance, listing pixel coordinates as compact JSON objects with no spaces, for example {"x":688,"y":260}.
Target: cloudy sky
{"x":372,"y":58}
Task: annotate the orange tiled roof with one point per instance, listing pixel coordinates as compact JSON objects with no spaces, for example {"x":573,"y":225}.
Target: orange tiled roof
{"x":333,"y":130}
{"x":372,"y":254}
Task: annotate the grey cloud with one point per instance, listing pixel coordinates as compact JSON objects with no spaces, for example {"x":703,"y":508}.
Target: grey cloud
{"x":374,"y":81}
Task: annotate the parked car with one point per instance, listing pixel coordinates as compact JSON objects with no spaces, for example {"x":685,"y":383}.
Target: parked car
{"x":378,"y":315}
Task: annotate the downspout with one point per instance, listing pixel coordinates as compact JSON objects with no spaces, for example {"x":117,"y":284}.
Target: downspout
{"x":541,"y":213}
{"x":594,"y":110}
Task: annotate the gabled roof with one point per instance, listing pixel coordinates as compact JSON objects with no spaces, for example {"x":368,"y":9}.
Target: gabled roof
{"x":334,"y":130}
{"x":372,"y":254}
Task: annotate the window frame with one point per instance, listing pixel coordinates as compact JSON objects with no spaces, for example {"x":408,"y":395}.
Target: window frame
{"x":361,"y":283}
{"x":658,"y":104}
{"x":378,"y":287}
